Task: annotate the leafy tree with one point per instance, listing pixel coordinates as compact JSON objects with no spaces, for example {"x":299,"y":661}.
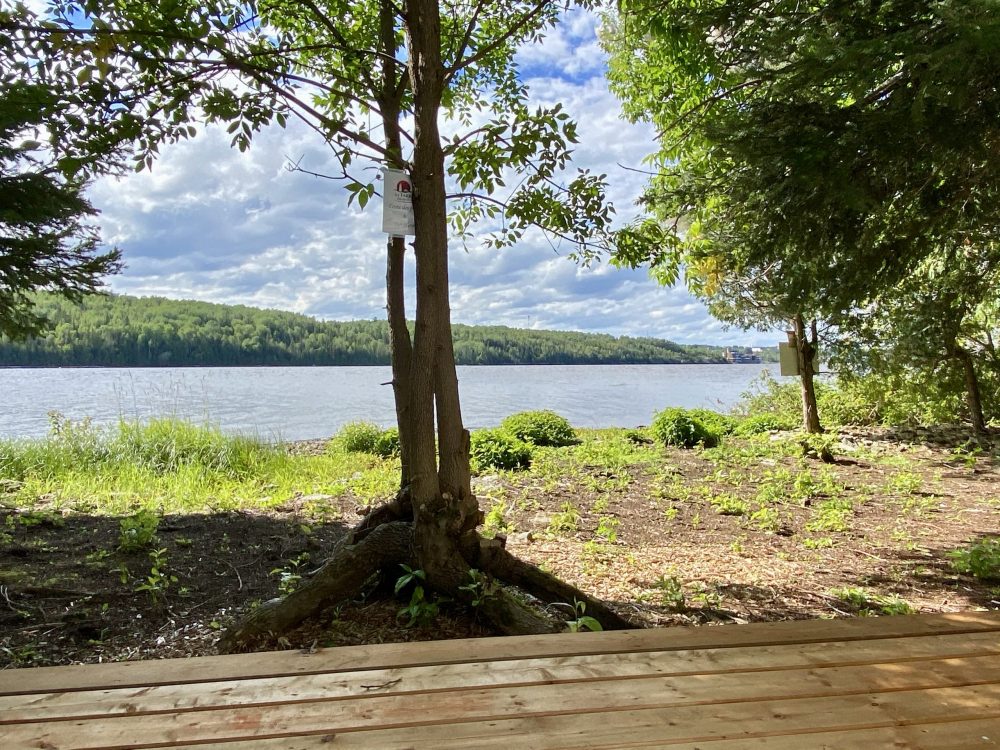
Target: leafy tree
{"x":45,"y":240}
{"x":933,"y":332}
{"x":144,"y":72}
{"x":815,"y":151}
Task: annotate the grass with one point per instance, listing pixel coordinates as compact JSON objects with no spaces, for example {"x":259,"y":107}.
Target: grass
{"x":175,"y":467}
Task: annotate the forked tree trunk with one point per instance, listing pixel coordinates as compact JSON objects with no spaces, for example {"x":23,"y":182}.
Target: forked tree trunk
{"x":806,"y":351}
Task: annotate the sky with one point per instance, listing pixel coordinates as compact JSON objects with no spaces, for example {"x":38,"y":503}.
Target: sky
{"x":210,"y":223}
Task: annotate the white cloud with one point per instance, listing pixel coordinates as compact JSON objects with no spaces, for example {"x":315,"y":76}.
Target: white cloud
{"x":211,"y":223}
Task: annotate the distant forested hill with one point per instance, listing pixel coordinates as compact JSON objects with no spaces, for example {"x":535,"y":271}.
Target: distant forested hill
{"x":153,"y":331}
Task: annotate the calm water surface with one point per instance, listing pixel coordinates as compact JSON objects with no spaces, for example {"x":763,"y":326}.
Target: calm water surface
{"x":297,"y":403}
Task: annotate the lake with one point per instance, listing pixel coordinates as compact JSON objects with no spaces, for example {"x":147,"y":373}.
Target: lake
{"x":298,"y":403}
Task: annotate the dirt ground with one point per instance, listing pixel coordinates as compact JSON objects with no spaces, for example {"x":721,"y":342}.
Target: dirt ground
{"x":690,"y":537}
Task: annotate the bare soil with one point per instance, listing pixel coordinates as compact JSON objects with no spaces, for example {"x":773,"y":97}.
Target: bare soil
{"x":653,"y":539}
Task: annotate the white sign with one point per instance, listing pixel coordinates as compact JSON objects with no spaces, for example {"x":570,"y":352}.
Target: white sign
{"x":397,"y":204}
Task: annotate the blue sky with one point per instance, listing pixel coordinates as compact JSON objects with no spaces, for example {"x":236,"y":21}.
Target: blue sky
{"x":213,"y":224}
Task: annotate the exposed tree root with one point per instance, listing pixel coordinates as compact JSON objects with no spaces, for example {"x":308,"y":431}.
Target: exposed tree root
{"x":341,"y":577}
{"x":383,"y":540}
{"x":499,"y":563}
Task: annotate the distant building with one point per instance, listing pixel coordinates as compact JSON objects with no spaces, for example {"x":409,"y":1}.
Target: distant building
{"x":742,"y":355}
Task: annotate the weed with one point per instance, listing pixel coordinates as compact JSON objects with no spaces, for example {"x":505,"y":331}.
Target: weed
{"x":980,"y":559}
{"x":904,"y":483}
{"x":420,"y":610}
{"x":495,"y":521}
{"x":567,"y":520}
{"x":868,"y":605}
{"x":358,"y":437}
{"x":138,"y":532}
{"x":607,"y":528}
{"x":289,"y":575}
{"x":582,"y":620}
{"x":729,"y":505}
{"x":159,"y":579}
{"x":832,"y":515}
{"x":823,"y":542}
{"x":766,"y":519}
{"x":480,"y":588}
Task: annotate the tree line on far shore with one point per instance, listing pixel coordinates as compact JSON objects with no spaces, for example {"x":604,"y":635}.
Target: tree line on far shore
{"x":120,"y":330}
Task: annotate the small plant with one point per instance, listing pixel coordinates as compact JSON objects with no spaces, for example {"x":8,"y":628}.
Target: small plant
{"x":419,"y":610}
{"x":766,"y":519}
{"x":675,"y":426}
{"x":832,"y":515}
{"x":490,"y":450}
{"x":289,"y":575}
{"x":495,"y":521}
{"x":869,"y":605}
{"x":480,"y":588}
{"x":540,"y":428}
{"x":582,"y":621}
{"x":138,"y":532}
{"x":607,"y":528}
{"x":904,"y":483}
{"x":567,"y":520}
{"x":671,"y":592}
{"x":823,"y":542}
{"x":980,"y":559}
{"x":729,"y":505}
{"x":159,"y":579}
{"x":818,"y":446}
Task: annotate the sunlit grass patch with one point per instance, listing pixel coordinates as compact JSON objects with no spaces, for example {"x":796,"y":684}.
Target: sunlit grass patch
{"x":173,"y":466}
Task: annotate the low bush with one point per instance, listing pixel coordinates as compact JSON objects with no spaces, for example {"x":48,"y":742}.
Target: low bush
{"x":761,"y":423}
{"x":496,"y":449}
{"x":720,"y":424}
{"x":675,"y":426}
{"x":540,"y":428}
{"x":387,"y":443}
{"x":359,"y":437}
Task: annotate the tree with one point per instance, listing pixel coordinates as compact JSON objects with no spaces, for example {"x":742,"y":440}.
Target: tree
{"x":147,"y":71}
{"x":933,"y":332}
{"x":45,"y":242}
{"x":828,"y":148}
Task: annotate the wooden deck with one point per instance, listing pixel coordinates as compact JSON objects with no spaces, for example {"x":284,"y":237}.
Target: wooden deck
{"x":901,"y":682}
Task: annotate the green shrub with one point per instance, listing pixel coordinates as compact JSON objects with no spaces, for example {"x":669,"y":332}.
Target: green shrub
{"x":675,"y":426}
{"x":496,"y":449}
{"x":359,"y":437}
{"x":980,"y":560}
{"x":138,"y":531}
{"x":760,"y":423}
{"x":540,"y":428}
{"x":720,"y":424}
{"x":387,"y":443}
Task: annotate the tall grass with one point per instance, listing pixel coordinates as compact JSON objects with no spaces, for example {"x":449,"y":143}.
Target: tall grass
{"x":171,"y":466}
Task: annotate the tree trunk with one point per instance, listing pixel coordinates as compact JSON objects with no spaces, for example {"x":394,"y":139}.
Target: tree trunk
{"x":806,"y":350}
{"x":973,"y":396}
{"x":442,"y":498}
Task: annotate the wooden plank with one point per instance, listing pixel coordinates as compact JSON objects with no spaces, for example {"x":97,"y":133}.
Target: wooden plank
{"x":592,"y":704}
{"x":521,"y":672}
{"x":952,"y":735}
{"x":659,"y":727}
{"x":384,"y":656}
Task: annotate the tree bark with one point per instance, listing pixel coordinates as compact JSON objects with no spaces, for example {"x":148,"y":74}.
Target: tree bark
{"x":806,"y":350}
{"x":973,"y":395}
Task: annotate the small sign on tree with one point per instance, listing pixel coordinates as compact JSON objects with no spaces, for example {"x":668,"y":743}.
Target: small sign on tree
{"x":397,"y":204}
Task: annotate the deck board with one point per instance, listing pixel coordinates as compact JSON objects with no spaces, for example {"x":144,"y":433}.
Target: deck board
{"x":919,"y":681}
